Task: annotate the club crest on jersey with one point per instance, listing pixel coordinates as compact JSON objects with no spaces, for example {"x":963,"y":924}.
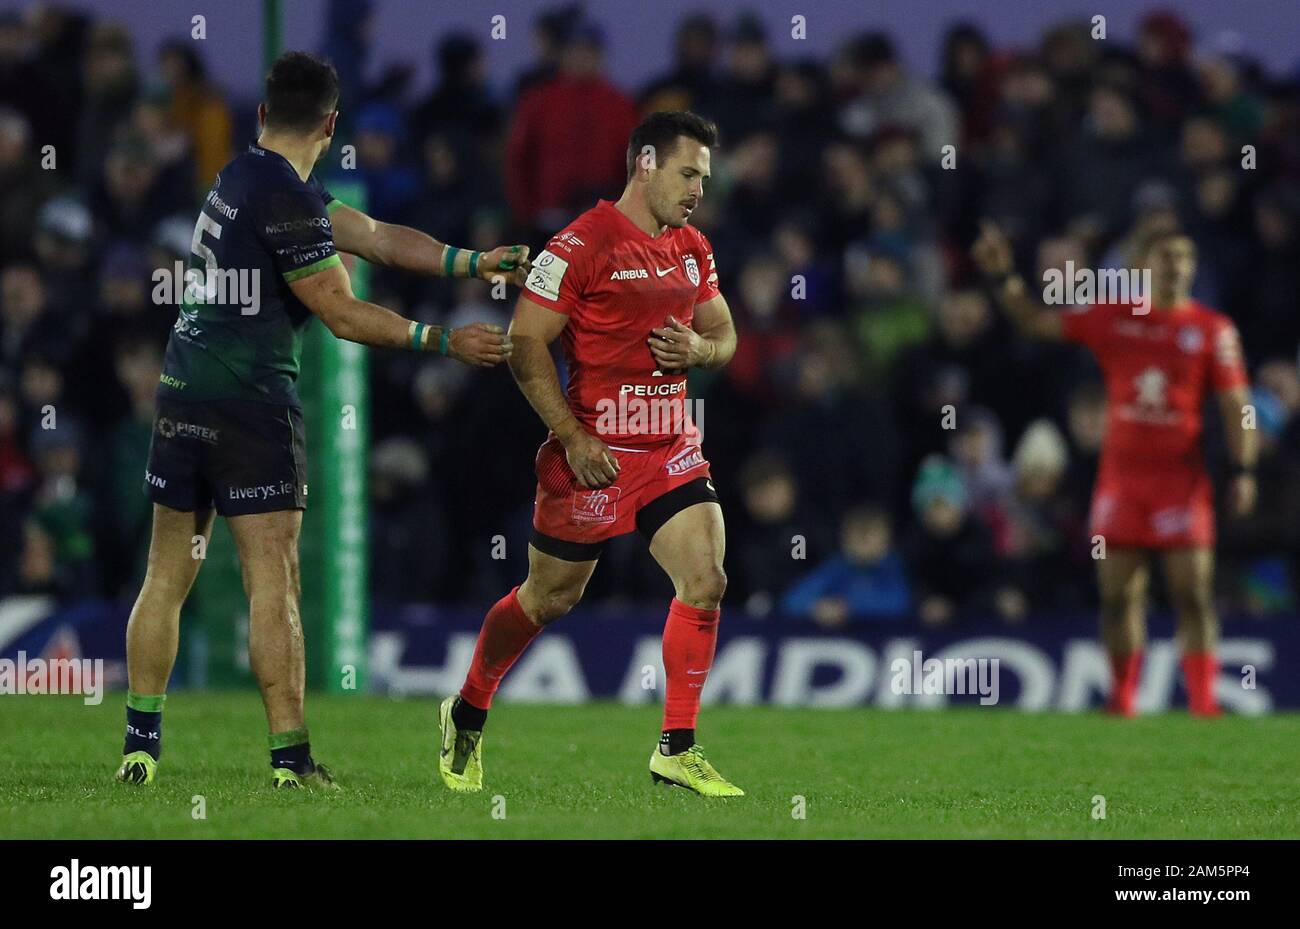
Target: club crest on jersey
{"x":693,"y":270}
{"x":596,"y":506}
{"x":1190,"y":339}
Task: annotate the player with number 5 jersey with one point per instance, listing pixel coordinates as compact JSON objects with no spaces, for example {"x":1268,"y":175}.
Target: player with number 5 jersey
{"x":228,"y":434}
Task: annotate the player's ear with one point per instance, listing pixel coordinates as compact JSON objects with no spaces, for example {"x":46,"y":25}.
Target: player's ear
{"x":261,"y":116}
{"x":330,"y":122}
{"x":646,"y":162}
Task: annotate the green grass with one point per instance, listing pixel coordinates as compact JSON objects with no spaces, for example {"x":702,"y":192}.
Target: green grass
{"x":580,"y":772}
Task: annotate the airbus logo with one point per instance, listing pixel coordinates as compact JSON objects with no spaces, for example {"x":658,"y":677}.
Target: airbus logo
{"x":630,"y":274}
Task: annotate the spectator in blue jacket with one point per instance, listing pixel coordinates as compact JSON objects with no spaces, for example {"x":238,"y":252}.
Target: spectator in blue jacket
{"x":863,"y":581}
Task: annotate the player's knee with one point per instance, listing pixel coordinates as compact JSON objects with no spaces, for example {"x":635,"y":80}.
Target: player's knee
{"x":549,"y":605}
{"x":704,"y":588}
{"x":163,"y":587}
{"x":1193,"y":603}
{"x":1116,"y":607}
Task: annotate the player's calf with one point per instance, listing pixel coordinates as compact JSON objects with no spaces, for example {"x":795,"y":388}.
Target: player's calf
{"x":1189,"y":575}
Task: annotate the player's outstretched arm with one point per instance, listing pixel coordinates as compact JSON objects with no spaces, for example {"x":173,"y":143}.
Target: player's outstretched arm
{"x":532,"y":330}
{"x":407,"y":249}
{"x":329,"y":295}
{"x":709,"y":342}
{"x":1243,"y":448}
{"x":992,"y":255}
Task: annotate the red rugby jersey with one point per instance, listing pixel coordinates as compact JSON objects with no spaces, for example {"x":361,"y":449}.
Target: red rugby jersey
{"x":1159,"y":368}
{"x":616,"y":283}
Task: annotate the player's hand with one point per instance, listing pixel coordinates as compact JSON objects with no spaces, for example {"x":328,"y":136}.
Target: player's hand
{"x":935,"y":610}
{"x":590,"y":459}
{"x":480,"y":345}
{"x":677,"y":347}
{"x":508,"y":261}
{"x":1012,"y":605}
{"x":991,"y":251}
{"x":830,"y":612}
{"x":1243,"y":492}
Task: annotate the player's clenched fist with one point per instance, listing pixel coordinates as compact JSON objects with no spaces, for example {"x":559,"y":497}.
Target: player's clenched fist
{"x":508,"y":260}
{"x":677,"y":347}
{"x":991,"y":251}
{"x":1242,"y":494}
{"x":479,"y":344}
{"x":590,"y":459}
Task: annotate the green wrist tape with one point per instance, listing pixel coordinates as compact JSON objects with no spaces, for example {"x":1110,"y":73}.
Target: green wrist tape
{"x":473,"y":263}
{"x":417,"y":337}
{"x":444,"y":343}
{"x":449,"y":254}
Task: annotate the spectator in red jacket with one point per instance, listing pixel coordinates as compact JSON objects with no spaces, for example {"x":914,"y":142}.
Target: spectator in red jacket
{"x":568,"y":140}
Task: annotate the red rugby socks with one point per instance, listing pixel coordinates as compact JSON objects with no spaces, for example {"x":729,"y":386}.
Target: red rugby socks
{"x":690,"y":637}
{"x":1199,"y":672}
{"x":506,"y":632}
{"x":1124,"y":672}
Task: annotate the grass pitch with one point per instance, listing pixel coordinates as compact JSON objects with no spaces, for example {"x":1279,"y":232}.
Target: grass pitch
{"x":580,"y":772}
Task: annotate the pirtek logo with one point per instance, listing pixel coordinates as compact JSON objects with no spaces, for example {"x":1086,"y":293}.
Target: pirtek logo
{"x":168,"y":429}
{"x":630,"y":274}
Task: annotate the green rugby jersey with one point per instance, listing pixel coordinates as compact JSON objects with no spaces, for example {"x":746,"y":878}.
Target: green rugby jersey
{"x":238,"y":335}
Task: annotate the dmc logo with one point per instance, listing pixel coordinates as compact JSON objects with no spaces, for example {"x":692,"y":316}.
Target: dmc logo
{"x":691,"y":458}
{"x":1172,"y":521}
{"x":166,"y":428}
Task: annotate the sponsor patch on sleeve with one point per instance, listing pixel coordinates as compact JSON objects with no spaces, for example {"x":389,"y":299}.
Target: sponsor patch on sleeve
{"x":547,"y":275}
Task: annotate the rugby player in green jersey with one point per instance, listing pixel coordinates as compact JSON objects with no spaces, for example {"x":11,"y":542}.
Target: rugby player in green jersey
{"x":228,"y":435}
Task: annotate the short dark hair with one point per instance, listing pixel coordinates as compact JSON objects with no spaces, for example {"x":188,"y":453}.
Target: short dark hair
{"x":661,"y":130}
{"x":1146,"y":242}
{"x":301,"y":90}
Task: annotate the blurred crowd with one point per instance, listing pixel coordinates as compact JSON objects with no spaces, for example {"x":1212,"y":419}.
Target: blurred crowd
{"x":841,"y":220}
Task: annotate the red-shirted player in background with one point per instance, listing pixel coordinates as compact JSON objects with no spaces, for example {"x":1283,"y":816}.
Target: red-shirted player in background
{"x":1152,"y":492}
{"x":632,"y":292}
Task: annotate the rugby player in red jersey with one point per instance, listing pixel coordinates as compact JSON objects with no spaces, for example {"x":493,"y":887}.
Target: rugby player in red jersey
{"x":1160,"y":360}
{"x":631,"y":291}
